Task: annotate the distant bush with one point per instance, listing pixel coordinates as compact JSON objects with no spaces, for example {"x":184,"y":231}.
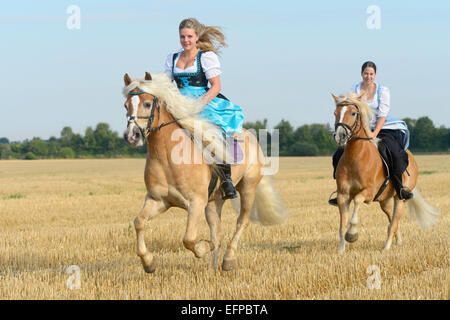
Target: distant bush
{"x":67,"y":153}
{"x":30,"y":156}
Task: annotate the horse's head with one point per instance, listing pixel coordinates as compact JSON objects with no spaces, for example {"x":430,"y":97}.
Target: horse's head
{"x":348,"y":118}
{"x":140,"y":108}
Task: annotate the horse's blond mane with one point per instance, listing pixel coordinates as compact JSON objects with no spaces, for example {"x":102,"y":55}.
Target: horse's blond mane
{"x":365,"y":111}
{"x":185,"y":110}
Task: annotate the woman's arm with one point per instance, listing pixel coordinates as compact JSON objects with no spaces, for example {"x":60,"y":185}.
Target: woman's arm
{"x":380,"y":123}
{"x":213,"y":90}
{"x":383,"y":110}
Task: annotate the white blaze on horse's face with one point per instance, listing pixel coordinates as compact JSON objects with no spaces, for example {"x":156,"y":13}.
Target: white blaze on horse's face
{"x":340,"y":133}
{"x":344,"y":127}
{"x":133,"y":134}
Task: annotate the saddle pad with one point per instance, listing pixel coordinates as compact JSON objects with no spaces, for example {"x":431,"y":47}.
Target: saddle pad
{"x":236,"y":150}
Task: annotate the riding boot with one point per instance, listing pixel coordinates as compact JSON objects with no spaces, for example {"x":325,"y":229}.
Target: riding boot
{"x":228,"y":189}
{"x":402,"y":193}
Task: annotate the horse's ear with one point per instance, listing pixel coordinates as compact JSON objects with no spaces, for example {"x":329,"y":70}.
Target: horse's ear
{"x":126,"y":79}
{"x":336,"y":99}
{"x":148,"y":76}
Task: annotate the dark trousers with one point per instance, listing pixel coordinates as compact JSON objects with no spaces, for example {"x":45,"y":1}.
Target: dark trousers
{"x":391,"y":146}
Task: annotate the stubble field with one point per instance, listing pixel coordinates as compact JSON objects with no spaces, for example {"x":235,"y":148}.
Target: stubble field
{"x":58,"y":213}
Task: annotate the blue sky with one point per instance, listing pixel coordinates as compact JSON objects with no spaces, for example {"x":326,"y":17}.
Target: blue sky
{"x":283,"y":59}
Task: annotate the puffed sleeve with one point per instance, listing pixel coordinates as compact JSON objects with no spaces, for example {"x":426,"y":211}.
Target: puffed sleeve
{"x":355,"y":88}
{"x":168,"y":66}
{"x":385,"y":102}
{"x":210,"y":64}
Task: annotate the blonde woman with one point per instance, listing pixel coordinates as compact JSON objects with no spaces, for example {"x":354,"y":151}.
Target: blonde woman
{"x":196,"y":71}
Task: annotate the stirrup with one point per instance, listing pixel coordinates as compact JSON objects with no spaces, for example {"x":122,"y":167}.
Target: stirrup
{"x":333,"y":201}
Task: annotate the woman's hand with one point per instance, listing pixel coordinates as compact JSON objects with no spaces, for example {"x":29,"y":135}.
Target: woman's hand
{"x":213,"y":90}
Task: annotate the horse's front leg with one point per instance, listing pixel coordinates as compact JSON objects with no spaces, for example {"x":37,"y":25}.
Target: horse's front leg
{"x":352,"y":233}
{"x":195,"y":212}
{"x":150,"y":210}
{"x":343,"y":201}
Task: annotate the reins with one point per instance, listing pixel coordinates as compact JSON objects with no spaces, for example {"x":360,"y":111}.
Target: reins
{"x":351,"y":130}
{"x":155,"y":106}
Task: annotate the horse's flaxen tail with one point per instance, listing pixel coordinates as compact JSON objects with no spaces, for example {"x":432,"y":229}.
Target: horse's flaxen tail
{"x":268,"y":208}
{"x":425,"y":214}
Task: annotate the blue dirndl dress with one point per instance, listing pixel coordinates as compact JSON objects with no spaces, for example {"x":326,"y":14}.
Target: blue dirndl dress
{"x":220,"y":110}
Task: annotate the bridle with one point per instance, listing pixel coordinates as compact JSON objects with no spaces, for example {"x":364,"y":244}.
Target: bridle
{"x":155,"y":106}
{"x":350,"y":131}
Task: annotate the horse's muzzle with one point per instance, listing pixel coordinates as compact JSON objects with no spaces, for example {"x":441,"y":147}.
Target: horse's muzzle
{"x":133,"y":136}
{"x":341,"y":137}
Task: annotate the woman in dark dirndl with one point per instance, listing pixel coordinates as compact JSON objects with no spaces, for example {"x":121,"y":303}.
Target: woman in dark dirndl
{"x":196,"y":71}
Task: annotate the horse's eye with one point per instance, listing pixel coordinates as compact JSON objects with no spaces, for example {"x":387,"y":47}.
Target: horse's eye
{"x":354,"y":113}
{"x":147,"y":104}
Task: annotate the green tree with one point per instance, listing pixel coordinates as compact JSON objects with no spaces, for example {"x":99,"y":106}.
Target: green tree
{"x":286,"y":134}
{"x":29,"y":156}
{"x":5,"y":151}
{"x":67,"y":152}
{"x":53,"y":147}
{"x":423,"y":134}
{"x":38,"y":147}
{"x":300,"y":148}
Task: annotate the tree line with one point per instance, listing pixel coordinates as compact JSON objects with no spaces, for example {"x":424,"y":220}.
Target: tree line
{"x":305,"y":140}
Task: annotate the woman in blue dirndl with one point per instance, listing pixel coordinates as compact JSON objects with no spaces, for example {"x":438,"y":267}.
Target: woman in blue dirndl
{"x":393,"y":132}
{"x":196,"y":66}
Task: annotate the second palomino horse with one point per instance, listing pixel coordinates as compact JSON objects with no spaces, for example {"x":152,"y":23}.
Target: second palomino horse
{"x":360,"y":174}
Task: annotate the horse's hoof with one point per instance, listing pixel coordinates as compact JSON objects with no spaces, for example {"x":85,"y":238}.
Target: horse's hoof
{"x":151,"y":267}
{"x":228,"y":265}
{"x":201,"y":248}
{"x":351,"y":237}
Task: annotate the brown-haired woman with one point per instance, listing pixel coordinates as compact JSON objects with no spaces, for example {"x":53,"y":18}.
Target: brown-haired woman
{"x":393,"y":132}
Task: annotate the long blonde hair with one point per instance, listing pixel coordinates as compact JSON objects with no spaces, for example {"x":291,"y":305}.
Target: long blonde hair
{"x":211,"y":38}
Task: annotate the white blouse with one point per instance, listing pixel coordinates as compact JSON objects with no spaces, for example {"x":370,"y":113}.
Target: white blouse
{"x":209,"y":61}
{"x":383,"y":108}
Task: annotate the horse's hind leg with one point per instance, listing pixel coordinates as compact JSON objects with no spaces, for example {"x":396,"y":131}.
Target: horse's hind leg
{"x":150,"y":210}
{"x":399,"y":207}
{"x":247,"y":199}
{"x":213,"y":213}
{"x":388,"y":207}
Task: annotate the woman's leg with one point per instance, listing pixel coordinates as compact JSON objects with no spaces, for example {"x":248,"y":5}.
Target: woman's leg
{"x":336,"y":157}
{"x":399,"y":161}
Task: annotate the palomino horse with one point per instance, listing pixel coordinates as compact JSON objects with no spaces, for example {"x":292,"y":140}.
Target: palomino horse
{"x":159,"y":114}
{"x":360,"y":174}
